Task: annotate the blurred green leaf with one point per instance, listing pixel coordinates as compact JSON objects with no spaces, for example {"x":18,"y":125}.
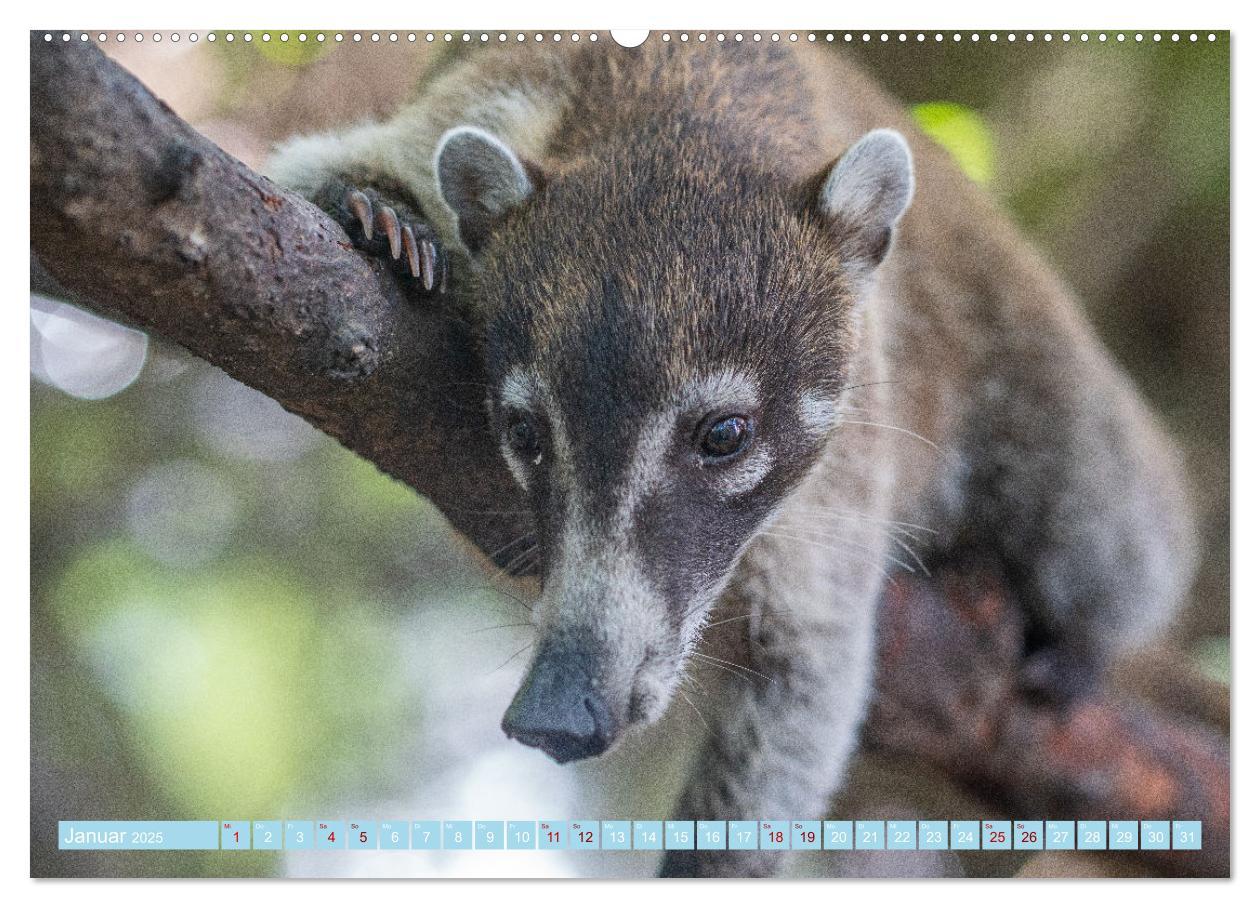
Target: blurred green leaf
{"x":291,"y":52}
{"x":962,"y":132}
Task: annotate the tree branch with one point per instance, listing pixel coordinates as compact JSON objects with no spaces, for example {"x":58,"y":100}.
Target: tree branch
{"x":137,"y":214}
{"x":139,"y":217}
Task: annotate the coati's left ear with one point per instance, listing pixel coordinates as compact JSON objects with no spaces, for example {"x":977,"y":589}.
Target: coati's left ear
{"x":865,"y":193}
{"x":481,"y":179}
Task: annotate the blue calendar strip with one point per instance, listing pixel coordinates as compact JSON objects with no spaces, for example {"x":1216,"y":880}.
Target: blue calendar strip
{"x":149,"y":835}
{"x":630,"y":835}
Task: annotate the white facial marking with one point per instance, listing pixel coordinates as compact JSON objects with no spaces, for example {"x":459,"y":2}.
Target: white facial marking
{"x":515,"y":392}
{"x":818,"y":413}
{"x":746,"y":473}
{"x":727,"y":389}
{"x":517,"y":389}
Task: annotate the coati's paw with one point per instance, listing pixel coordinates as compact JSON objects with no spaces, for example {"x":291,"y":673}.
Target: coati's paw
{"x":389,"y":229}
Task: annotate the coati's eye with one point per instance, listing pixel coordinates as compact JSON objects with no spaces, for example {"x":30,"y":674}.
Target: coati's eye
{"x":725,"y":436}
{"x":523,"y":439}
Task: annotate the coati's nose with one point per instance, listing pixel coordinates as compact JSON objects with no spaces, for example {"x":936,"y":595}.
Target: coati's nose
{"x":558,"y":709}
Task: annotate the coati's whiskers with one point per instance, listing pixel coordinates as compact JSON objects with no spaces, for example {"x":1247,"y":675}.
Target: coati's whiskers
{"x":870,"y":384}
{"x":856,"y":515}
{"x":823,"y":536}
{"x":834,"y":548}
{"x":696,"y":709}
{"x":912,"y":553}
{"x":736,"y":618}
{"x":734,"y":666}
{"x":503,"y":548}
{"x":693,"y":684}
{"x":513,"y":513}
{"x":883,"y":425}
{"x":517,"y":563}
{"x":499,"y":627}
{"x":510,"y":658}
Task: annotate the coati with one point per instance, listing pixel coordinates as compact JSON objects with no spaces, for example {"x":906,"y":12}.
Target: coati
{"x":746,"y":333}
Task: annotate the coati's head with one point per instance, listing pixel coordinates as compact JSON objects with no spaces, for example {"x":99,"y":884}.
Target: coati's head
{"x":667,"y":336}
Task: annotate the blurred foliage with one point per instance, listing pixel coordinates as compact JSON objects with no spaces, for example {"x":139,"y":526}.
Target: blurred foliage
{"x":960,"y":131}
{"x":218,"y":594}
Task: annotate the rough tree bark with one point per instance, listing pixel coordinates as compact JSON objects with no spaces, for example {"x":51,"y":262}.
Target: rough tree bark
{"x":141,"y":218}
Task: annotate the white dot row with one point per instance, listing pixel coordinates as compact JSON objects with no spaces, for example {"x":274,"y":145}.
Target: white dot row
{"x":520,"y":37}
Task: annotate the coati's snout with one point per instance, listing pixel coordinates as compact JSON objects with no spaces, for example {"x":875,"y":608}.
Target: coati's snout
{"x":560,"y":708}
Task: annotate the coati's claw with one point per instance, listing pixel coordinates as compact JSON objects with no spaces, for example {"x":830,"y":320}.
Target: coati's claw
{"x":387,"y":222}
{"x":410,"y":250}
{"x":361,"y":207}
{"x":390,"y":230}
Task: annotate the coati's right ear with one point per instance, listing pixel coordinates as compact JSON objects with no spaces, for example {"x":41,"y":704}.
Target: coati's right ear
{"x":481,"y":179}
{"x":865,"y":193}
